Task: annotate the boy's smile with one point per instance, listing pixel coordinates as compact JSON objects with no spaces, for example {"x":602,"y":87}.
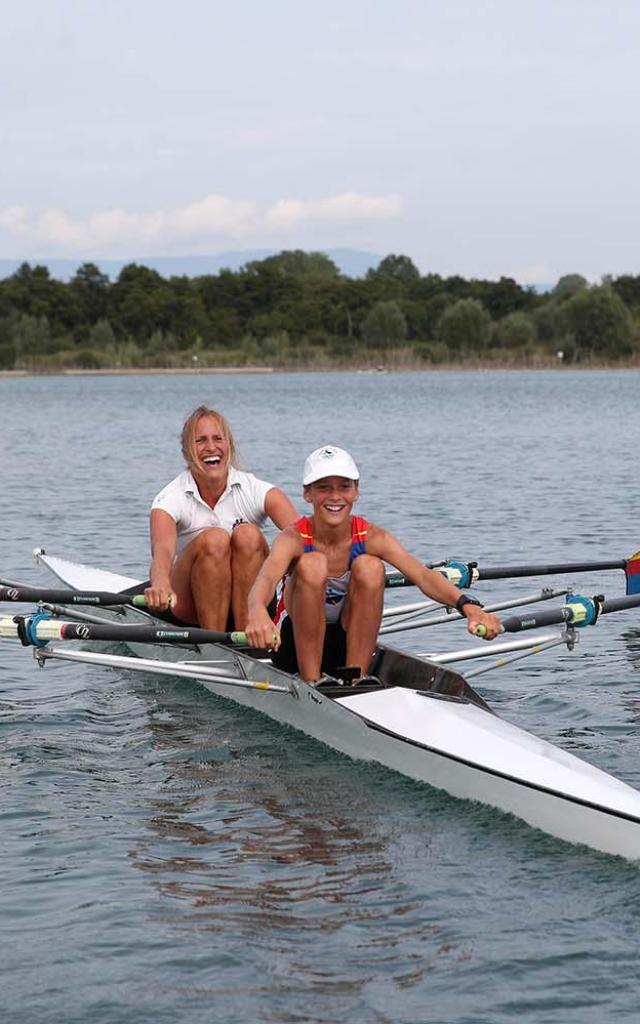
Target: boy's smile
{"x":332,"y":497}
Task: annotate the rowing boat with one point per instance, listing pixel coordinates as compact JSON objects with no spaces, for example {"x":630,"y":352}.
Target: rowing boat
{"x":424,"y":721}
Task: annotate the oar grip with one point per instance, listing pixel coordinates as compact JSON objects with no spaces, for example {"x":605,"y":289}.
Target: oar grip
{"x":481,"y":630}
{"x":140,"y":601}
{"x":240,"y":639}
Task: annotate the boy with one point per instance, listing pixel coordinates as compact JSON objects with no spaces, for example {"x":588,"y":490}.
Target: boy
{"x":332,"y":569}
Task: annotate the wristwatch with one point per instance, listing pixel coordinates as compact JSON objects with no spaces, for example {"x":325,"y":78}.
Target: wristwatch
{"x":465,"y":599}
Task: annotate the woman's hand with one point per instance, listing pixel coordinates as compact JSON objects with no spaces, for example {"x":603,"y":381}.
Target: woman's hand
{"x":160,"y":598}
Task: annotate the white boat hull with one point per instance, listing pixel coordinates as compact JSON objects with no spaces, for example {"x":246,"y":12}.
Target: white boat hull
{"x":453,"y":744}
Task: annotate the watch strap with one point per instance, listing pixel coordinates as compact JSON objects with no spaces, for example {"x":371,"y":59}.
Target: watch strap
{"x":465,"y":599}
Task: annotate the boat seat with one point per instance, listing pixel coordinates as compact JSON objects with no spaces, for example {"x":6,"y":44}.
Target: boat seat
{"x":347,"y":688}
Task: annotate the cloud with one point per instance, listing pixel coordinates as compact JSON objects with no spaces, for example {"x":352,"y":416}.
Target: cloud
{"x":214,"y":216}
{"x":214,"y":220}
{"x":13,"y":220}
{"x":349,"y":208}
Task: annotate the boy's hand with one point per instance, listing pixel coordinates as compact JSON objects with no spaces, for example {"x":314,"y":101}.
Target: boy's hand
{"x":261,"y":631}
{"x":477,"y":616}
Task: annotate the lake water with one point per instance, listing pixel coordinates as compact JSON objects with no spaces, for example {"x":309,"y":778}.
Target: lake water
{"x":168,"y":856}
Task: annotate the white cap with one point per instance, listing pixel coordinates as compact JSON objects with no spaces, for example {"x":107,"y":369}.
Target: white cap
{"x":329,"y":461}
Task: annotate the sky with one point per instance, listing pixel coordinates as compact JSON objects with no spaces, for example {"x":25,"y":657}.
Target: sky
{"x":479,"y":138}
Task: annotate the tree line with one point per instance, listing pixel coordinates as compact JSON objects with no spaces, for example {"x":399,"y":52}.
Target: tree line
{"x":296,"y":309}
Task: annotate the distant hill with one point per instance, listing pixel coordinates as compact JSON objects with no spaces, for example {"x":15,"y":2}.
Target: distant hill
{"x":351,"y":262}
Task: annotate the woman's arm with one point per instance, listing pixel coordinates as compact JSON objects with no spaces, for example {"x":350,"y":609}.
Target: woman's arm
{"x":279,"y":508}
{"x":164,"y":541}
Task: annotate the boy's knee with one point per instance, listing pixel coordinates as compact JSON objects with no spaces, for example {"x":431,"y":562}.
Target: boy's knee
{"x":312,"y":568}
{"x":368,"y":570}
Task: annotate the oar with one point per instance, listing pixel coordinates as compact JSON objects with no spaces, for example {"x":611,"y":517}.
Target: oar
{"x":463,"y":574}
{"x":578,"y":611}
{"x":186,"y":669}
{"x":33,"y":595}
{"x":38,"y":629}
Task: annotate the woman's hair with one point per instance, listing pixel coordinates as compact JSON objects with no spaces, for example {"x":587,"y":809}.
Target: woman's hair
{"x":188,"y":436}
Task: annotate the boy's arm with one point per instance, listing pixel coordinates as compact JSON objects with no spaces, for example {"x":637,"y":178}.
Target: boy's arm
{"x":383,"y":544}
{"x":260,"y":630}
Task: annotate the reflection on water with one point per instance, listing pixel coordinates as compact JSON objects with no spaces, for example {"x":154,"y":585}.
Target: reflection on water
{"x":304,"y":859}
{"x":234,"y":849}
{"x":631,"y":639}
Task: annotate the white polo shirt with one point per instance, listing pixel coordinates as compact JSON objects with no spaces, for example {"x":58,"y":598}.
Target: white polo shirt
{"x":242,"y":501}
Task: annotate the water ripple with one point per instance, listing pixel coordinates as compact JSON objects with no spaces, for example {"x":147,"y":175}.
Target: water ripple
{"x":168,"y":856}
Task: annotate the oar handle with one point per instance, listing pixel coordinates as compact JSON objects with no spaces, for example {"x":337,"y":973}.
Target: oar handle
{"x":463,"y":574}
{"x":578,"y":611}
{"x":573,"y":613}
{"x":101,"y":598}
{"x":38,"y":629}
{"x":169,"y":634}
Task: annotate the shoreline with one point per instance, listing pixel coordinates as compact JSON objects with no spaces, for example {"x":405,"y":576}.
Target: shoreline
{"x":249,"y":370}
{"x":148,"y":371}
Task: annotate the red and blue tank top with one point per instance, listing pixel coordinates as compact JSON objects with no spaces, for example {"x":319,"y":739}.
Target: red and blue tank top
{"x":337,"y":586}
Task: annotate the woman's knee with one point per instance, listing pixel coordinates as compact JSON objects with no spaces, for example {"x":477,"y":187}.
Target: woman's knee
{"x":213,"y":543}
{"x":247,"y":540}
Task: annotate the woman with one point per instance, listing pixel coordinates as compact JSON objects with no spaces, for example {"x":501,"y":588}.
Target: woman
{"x":206,"y":543}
